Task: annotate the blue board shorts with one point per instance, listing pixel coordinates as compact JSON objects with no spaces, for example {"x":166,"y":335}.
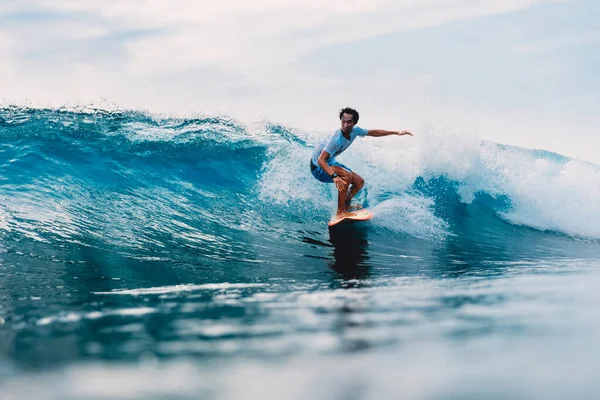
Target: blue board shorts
{"x":320,"y":174}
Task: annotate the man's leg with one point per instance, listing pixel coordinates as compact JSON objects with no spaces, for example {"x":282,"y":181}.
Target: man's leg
{"x":357,"y":183}
{"x":343,"y":190}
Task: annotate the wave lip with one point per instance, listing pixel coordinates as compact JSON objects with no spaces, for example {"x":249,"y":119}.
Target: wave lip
{"x":532,"y":188}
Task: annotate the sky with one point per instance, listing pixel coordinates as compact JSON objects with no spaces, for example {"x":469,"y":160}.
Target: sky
{"x":520,"y":72}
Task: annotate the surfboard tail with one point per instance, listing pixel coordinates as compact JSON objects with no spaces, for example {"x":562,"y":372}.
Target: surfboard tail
{"x":359,"y":215}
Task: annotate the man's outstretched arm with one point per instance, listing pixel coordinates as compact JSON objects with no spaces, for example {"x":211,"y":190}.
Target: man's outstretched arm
{"x":382,"y":132}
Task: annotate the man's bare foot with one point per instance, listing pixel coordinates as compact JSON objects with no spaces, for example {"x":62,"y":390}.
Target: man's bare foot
{"x":344,"y":214}
{"x":353,"y":207}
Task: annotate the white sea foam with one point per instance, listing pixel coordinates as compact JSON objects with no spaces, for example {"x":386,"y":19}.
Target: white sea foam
{"x":412,"y":215}
{"x":546,"y":191}
{"x":182,"y":288}
{"x":558,"y":196}
{"x":77,"y":316}
{"x":286,"y":177}
{"x":388,"y":165}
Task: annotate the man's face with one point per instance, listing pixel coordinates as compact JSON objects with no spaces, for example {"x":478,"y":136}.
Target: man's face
{"x":347,"y":123}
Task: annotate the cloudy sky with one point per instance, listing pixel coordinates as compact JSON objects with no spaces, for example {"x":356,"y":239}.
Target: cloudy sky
{"x":521,"y":72}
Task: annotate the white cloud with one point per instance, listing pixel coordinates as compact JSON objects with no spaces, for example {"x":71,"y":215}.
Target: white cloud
{"x":6,"y":61}
{"x":6,"y":42}
{"x":248,"y":36}
{"x":558,"y":43}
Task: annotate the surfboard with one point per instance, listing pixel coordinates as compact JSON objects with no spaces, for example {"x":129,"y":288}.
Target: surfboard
{"x":360,"y":215}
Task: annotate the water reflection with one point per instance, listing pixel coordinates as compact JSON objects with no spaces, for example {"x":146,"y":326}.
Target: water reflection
{"x":350,"y":251}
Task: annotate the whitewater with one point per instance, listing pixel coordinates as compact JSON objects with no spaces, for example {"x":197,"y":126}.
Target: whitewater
{"x":146,"y":255}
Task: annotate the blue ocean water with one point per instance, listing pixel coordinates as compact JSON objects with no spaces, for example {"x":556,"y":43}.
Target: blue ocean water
{"x":146,"y":256}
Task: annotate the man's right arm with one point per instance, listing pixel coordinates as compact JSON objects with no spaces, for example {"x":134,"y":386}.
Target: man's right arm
{"x":322,"y":161}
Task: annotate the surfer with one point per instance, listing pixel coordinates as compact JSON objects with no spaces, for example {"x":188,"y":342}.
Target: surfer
{"x":326,"y":169}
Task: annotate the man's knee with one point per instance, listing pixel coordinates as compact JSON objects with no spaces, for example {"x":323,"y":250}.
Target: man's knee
{"x":358,"y":180}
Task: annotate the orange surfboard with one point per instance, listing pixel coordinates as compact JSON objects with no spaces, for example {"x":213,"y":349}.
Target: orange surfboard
{"x":360,"y":215}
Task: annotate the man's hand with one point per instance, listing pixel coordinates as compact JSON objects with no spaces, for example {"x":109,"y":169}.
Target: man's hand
{"x":339,"y":183}
{"x":402,"y":133}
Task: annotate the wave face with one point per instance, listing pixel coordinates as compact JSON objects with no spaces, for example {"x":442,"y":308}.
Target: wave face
{"x":160,"y":247}
{"x":148,"y":186}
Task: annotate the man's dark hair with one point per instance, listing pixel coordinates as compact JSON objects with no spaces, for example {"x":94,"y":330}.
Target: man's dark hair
{"x":351,"y":111}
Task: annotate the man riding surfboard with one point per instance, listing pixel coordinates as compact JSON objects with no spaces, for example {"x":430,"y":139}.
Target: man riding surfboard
{"x":326,"y":169}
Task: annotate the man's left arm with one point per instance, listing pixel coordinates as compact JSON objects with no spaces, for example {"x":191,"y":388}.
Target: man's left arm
{"x":382,"y":132}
